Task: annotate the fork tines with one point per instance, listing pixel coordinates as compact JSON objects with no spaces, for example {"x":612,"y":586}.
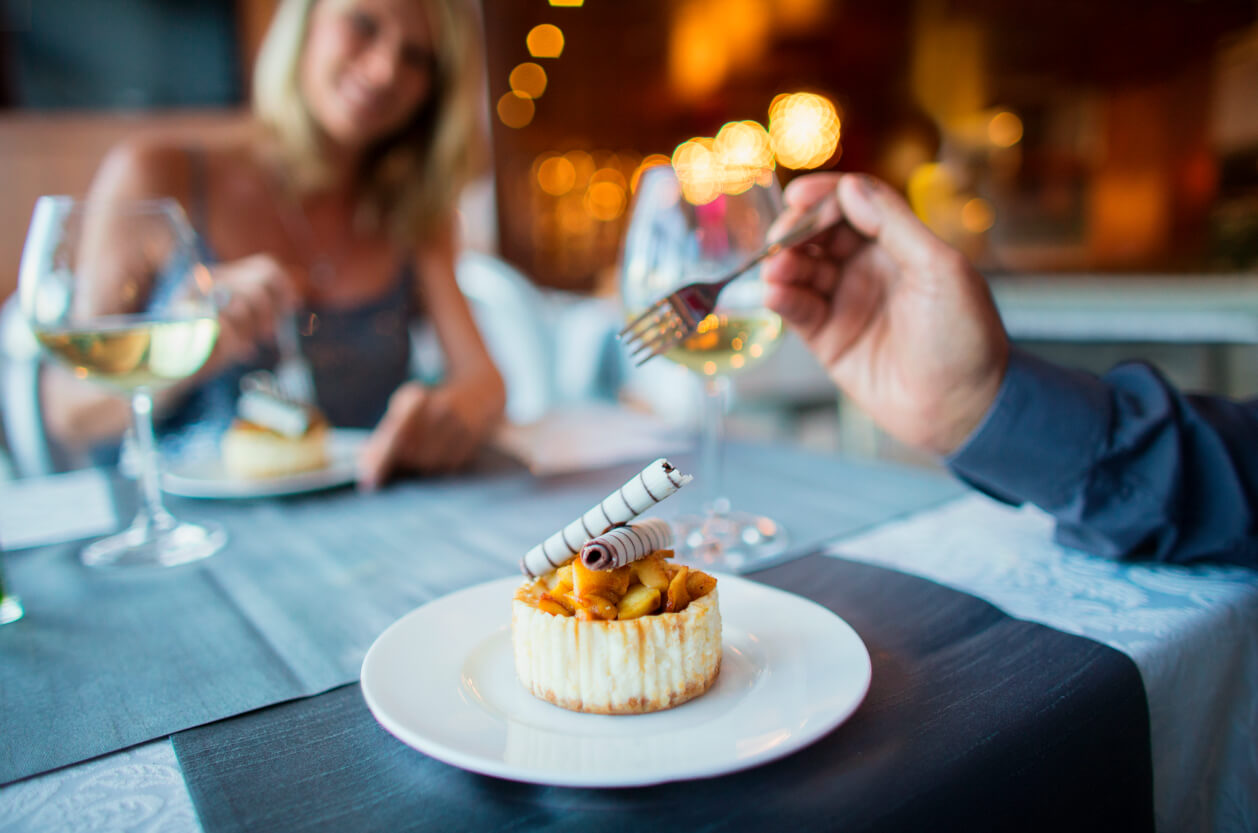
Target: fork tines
{"x":663,"y":326}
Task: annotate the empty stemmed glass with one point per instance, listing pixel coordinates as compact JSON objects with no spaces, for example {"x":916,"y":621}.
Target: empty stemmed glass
{"x":115,"y":292}
{"x":675,"y":238}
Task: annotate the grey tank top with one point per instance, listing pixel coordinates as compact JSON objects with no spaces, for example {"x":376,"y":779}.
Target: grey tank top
{"x":359,"y":355}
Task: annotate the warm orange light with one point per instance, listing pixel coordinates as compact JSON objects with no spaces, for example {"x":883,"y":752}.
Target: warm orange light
{"x":567,"y":3}
{"x":650,"y":162}
{"x":582,"y":165}
{"x":803,"y":130}
{"x":977,"y":215}
{"x":1131,"y":214}
{"x":556,"y":176}
{"x":933,"y":195}
{"x":738,"y":158}
{"x":698,"y":55}
{"x":515,"y":110}
{"x":798,"y":15}
{"x":1004,"y":130}
{"x":743,"y":152}
{"x":698,"y":170}
{"x":545,"y":41}
{"x":744,"y":26}
{"x":528,"y":79}
{"x":609,"y":174}
{"x":605,"y":200}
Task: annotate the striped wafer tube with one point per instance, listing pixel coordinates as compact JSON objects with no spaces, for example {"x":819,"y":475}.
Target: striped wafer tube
{"x":622,"y":544}
{"x":647,"y":488}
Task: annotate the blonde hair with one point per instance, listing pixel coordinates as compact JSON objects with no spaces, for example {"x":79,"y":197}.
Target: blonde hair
{"x":411,"y":180}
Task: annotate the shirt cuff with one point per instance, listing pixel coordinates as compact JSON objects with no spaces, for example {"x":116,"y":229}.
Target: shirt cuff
{"x":1038,"y":440}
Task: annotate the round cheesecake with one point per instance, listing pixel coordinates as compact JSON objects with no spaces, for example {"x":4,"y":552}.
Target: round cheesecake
{"x":617,"y":666}
{"x":252,"y":451}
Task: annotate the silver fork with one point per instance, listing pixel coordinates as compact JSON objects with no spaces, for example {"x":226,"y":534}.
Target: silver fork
{"x":292,"y":372}
{"x":675,"y":317}
{"x":292,"y":378}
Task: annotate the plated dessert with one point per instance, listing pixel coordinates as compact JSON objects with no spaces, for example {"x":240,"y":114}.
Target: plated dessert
{"x":614,"y":627}
{"x":273,"y":437}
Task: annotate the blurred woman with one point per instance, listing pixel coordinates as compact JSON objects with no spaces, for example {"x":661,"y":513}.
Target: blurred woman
{"x":335,"y":209}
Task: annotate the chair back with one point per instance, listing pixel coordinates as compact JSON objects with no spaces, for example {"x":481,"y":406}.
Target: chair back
{"x":512,"y":316}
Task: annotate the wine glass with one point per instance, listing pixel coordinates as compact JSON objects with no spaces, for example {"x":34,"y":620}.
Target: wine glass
{"x":115,"y":292}
{"x":10,"y":605}
{"x":676,"y":237}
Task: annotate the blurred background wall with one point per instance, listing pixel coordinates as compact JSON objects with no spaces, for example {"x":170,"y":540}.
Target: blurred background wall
{"x":1041,"y":135}
{"x":1052,"y":139}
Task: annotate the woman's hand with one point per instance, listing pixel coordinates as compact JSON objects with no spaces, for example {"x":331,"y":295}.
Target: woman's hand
{"x":901,"y":321}
{"x":252,"y":292}
{"x":427,"y":430}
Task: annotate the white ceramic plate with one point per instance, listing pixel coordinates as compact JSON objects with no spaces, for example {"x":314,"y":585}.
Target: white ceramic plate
{"x":442,"y":680}
{"x":206,"y":477}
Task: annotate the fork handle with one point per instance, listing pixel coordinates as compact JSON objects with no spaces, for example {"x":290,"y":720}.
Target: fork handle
{"x":812,"y":222}
{"x":287,"y":336}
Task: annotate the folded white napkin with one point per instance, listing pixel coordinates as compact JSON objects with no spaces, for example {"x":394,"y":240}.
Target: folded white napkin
{"x":588,"y":436}
{"x":50,"y":510}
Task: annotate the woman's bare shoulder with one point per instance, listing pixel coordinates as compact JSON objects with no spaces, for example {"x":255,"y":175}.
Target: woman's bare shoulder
{"x":161,"y":165}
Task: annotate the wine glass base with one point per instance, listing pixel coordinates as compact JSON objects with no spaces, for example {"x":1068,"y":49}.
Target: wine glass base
{"x":734,"y":541}
{"x":10,"y":609}
{"x":156,"y":545}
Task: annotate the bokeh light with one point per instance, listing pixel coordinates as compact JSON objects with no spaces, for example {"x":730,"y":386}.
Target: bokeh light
{"x":932,"y":193}
{"x":555,"y":175}
{"x":977,"y":215}
{"x":583,"y":167}
{"x":649,"y":162}
{"x":545,"y":41}
{"x":698,"y":56}
{"x":528,"y":79}
{"x":605,"y":199}
{"x":803,"y":130}
{"x":743,"y":153}
{"x":1005,"y":129}
{"x":799,"y":15}
{"x":738,"y":158}
{"x":515,"y":110}
{"x":698,"y":170}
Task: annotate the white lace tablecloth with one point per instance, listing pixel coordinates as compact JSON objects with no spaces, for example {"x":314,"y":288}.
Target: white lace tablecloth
{"x":1192,"y":632}
{"x":138,"y":790}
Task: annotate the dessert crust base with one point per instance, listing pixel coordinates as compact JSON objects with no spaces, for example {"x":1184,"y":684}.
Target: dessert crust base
{"x":256,"y":453}
{"x":633,"y":666}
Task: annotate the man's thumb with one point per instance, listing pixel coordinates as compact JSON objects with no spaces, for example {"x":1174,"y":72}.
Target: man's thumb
{"x":875,"y":210}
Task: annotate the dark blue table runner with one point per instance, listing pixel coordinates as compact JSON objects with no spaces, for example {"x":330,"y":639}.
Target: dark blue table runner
{"x":105,"y":660}
{"x":975,"y":721}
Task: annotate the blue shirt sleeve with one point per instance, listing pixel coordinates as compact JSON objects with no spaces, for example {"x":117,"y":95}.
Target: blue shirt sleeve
{"x":1128,"y":465}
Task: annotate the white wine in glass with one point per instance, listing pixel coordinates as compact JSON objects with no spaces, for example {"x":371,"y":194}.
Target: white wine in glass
{"x":669,"y":243}
{"x":115,"y":293}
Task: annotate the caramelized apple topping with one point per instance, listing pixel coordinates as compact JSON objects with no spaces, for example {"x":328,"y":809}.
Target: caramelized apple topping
{"x":647,"y":586}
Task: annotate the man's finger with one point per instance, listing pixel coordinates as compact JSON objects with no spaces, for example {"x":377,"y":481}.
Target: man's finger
{"x":875,"y":210}
{"x":800,"y":306}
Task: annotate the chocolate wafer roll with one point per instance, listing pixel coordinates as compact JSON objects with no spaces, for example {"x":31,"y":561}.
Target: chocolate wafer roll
{"x":621,"y":545}
{"x":650,"y":486}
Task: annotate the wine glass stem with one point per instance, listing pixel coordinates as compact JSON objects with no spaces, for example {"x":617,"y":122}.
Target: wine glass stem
{"x":152,"y":511}
{"x":712,"y":445}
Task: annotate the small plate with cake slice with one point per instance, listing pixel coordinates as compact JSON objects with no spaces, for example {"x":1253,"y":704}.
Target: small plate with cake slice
{"x":276,"y":465}
{"x":275,"y":446}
